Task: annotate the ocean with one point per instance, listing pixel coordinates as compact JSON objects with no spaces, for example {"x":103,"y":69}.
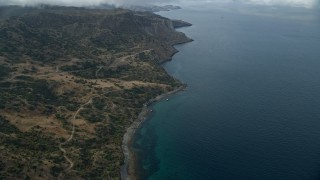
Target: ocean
{"x":252,"y":106}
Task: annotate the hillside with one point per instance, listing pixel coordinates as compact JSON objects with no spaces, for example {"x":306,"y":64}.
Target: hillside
{"x":71,"y":81}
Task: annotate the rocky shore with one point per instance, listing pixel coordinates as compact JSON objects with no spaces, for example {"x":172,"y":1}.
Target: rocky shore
{"x":128,"y":169}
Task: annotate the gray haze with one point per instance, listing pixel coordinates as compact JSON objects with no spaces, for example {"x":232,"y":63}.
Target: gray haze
{"x":292,"y":3}
{"x":298,"y":3}
{"x":82,"y":2}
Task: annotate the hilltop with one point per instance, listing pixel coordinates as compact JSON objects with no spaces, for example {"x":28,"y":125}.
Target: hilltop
{"x":71,"y":81}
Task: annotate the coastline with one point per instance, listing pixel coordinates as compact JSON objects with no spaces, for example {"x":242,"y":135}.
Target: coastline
{"x":127,"y":169}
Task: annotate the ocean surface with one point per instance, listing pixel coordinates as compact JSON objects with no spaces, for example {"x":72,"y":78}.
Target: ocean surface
{"x":252,"y":106}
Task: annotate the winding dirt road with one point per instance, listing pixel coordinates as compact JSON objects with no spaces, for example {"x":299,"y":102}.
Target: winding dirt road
{"x":71,"y":136}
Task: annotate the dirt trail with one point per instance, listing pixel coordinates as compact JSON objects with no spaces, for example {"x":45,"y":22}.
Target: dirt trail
{"x":71,"y":136}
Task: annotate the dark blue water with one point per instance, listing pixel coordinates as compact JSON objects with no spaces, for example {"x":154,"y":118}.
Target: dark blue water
{"x":252,"y":107}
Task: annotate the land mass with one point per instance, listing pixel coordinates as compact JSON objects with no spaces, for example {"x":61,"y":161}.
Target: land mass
{"x":72,"y":80}
{"x":153,"y":8}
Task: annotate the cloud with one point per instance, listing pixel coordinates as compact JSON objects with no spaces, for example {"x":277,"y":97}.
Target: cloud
{"x":56,"y":2}
{"x":82,"y":2}
{"x":292,"y":3}
{"x":297,"y":3}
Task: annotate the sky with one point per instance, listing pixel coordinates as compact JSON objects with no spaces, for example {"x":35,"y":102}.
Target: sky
{"x":300,"y":3}
{"x":82,"y":2}
{"x":292,"y":3}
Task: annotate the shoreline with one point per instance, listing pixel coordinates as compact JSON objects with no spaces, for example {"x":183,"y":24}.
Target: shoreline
{"x":129,"y":164}
{"x":128,"y":167}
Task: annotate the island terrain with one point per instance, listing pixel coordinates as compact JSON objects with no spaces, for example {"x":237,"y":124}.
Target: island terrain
{"x":72,"y":80}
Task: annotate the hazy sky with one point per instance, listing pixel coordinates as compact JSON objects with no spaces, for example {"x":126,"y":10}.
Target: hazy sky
{"x":296,"y":3}
{"x":301,"y":3}
{"x":81,"y":2}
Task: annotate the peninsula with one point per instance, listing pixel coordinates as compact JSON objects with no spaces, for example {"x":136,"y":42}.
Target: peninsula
{"x":72,"y":80}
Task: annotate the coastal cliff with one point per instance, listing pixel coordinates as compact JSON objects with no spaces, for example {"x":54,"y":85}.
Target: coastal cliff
{"x":72,"y":81}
